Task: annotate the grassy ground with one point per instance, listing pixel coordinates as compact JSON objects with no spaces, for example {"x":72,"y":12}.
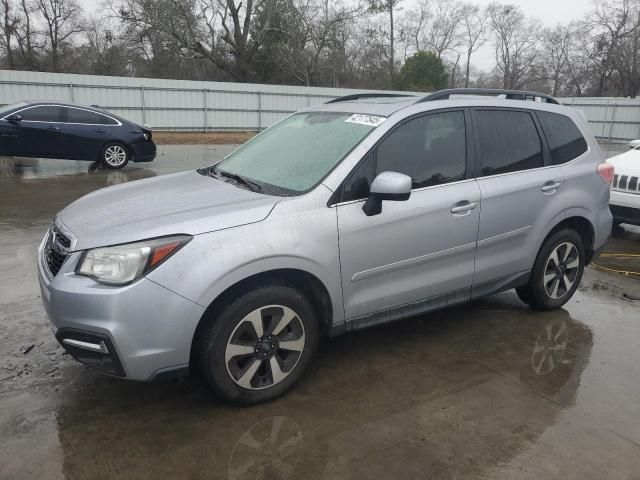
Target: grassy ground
{"x":191,"y":138}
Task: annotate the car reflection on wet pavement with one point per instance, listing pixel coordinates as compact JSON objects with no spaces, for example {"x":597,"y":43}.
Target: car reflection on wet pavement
{"x":491,"y":389}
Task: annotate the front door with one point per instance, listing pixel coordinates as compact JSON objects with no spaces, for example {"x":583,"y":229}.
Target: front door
{"x":420,"y":248}
{"x":9,"y":134}
{"x":39,"y":132}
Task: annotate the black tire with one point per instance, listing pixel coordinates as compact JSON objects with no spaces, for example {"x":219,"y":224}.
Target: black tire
{"x":114,"y":155}
{"x":554,"y":293}
{"x":230,"y":328}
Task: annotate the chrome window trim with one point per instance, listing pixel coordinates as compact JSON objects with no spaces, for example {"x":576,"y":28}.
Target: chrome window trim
{"x":587,"y":152}
{"x":117,"y":124}
{"x":466,"y":180}
{"x":545,"y":167}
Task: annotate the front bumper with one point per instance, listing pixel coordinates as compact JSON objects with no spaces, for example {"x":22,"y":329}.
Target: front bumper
{"x":626,"y":214}
{"x":625,"y":207}
{"x":146,"y":329}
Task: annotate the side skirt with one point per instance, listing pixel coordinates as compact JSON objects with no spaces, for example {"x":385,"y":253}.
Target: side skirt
{"x":431,"y":304}
{"x":409,"y":310}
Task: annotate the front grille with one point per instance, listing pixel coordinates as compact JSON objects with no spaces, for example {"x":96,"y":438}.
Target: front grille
{"x":625,"y":183}
{"x":56,"y":250}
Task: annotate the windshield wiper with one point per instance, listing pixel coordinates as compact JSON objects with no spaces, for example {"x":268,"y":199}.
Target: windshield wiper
{"x":253,"y":186}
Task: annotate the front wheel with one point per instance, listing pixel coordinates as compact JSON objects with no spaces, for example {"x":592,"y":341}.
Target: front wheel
{"x":114,"y":155}
{"x":556,"y":273}
{"x":259,"y":344}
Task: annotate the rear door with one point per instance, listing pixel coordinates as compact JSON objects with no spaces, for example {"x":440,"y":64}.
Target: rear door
{"x":85,"y":132}
{"x":417,"y":249}
{"x":522,"y":193}
{"x":38,"y":133}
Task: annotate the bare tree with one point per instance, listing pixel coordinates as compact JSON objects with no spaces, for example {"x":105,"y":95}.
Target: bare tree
{"x":219,"y":31}
{"x":62,"y":21}
{"x":444,"y":33}
{"x":516,"y":44}
{"x":9,"y":21}
{"x":556,"y":43}
{"x":607,"y":24}
{"x":367,"y":53}
{"x":313,"y":38}
{"x":435,"y":25}
{"x":29,"y":45}
{"x":626,"y":56}
{"x":388,"y":7}
{"x":474,"y":22}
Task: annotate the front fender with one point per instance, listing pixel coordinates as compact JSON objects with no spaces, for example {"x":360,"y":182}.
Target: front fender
{"x":212,"y":262}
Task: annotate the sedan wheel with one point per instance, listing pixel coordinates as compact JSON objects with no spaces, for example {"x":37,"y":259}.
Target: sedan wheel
{"x":115,"y":156}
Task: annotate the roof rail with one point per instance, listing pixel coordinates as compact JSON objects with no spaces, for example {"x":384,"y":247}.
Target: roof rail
{"x":509,"y":94}
{"x":357,"y":96}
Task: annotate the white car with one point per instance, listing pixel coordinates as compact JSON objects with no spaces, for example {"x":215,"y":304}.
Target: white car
{"x":625,"y":194}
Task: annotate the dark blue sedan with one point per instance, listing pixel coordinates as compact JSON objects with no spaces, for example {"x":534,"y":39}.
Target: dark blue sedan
{"x":57,"y":130}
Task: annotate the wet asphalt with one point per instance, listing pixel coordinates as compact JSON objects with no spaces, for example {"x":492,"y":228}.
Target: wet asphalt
{"x":487,"y":390}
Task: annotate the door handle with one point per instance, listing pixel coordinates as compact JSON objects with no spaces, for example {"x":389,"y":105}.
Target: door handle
{"x":100,"y":130}
{"x":551,"y":187}
{"x":53,"y":128}
{"x":467,"y":207}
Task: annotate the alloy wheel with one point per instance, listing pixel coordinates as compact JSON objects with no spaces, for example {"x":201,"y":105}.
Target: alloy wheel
{"x":265,"y":347}
{"x":115,"y":156}
{"x":561,"y":270}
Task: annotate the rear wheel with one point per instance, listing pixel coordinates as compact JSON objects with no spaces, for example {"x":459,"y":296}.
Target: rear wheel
{"x":114,"y":155}
{"x":556,"y":273}
{"x":259,"y":344}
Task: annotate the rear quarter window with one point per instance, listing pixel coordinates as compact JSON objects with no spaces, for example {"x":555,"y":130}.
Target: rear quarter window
{"x":564,"y":138}
{"x":77,"y":115}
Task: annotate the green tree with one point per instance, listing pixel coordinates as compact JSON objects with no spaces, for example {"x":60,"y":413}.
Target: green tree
{"x":423,"y":71}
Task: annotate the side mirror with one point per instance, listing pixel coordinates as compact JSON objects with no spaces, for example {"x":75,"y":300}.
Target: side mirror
{"x":387,"y":186}
{"x":15,"y":118}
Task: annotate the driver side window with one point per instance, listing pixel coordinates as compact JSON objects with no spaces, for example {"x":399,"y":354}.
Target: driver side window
{"x":431,"y":149}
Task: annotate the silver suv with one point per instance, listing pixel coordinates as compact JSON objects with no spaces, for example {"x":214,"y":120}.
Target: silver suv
{"x":361,"y":211}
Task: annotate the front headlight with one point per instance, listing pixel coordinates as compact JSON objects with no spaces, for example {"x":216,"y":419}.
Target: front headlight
{"x":122,"y":264}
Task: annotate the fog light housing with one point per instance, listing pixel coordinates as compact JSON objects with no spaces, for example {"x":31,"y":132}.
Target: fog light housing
{"x":92,"y":349}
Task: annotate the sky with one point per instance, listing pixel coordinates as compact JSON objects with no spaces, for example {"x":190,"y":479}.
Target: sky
{"x":550,"y":12}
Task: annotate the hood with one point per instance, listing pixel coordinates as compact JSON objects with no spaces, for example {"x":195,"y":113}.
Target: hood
{"x":627,"y":163}
{"x":184,"y":202}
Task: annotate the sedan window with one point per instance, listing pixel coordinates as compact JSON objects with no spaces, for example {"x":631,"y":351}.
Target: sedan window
{"x":43,"y":113}
{"x":77,"y":115}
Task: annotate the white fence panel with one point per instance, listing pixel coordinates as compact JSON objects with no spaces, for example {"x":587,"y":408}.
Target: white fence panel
{"x":169,"y":104}
{"x":204,"y":106}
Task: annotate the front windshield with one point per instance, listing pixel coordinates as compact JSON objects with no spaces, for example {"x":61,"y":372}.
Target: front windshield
{"x":8,"y":108}
{"x":295,"y":154}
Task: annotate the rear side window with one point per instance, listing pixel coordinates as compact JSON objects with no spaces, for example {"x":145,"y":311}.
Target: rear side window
{"x":565,"y":140}
{"x":509,"y":141}
{"x":430,"y":149}
{"x":45,"y":113}
{"x":76,"y":115}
